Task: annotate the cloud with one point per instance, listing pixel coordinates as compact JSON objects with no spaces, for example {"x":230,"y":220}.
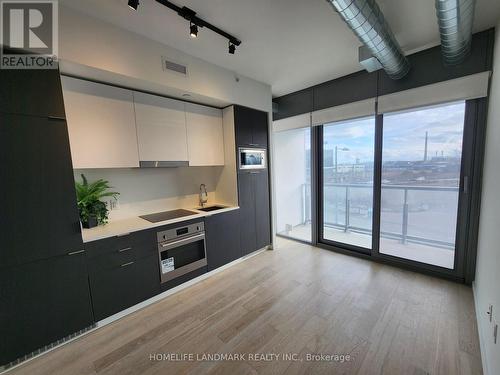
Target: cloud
{"x":404,"y":134}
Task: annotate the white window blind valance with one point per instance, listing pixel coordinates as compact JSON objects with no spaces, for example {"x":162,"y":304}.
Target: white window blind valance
{"x":349,"y":111}
{"x":469,"y":87}
{"x":295,"y":122}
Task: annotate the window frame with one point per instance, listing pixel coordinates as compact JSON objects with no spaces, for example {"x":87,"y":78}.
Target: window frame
{"x":468,"y":201}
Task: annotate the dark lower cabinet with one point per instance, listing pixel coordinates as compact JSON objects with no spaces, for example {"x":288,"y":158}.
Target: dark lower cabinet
{"x":251,"y":129}
{"x":262,"y":210}
{"x":255,"y":222}
{"x":42,"y":302}
{"x":121,"y":286}
{"x":222,"y":238}
{"x":39,"y":216}
{"x":44,"y":291}
{"x":246,"y":193}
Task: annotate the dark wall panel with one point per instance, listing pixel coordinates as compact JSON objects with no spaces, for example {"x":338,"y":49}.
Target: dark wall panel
{"x":294,"y":104}
{"x":351,"y":88}
{"x":427,"y":66}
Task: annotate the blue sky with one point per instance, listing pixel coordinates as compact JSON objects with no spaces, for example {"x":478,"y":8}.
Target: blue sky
{"x":404,"y":134}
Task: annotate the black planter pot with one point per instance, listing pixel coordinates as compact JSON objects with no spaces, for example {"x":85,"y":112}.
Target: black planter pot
{"x":91,"y":223}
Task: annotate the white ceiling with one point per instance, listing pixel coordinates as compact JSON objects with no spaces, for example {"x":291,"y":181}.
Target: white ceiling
{"x":289,"y":44}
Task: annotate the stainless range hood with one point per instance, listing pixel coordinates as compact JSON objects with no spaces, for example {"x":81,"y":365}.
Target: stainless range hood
{"x":163,"y":164}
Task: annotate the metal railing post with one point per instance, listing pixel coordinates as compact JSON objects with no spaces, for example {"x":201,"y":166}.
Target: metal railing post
{"x":304,"y":197}
{"x":405,"y":217}
{"x":402,"y":235}
{"x":347,"y":209}
{"x":336,"y":206}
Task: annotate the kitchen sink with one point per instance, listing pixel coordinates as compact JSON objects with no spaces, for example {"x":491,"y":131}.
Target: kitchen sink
{"x":211,"y":208}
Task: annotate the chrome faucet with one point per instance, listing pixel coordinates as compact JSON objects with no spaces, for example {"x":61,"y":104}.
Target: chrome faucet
{"x":203,"y":195}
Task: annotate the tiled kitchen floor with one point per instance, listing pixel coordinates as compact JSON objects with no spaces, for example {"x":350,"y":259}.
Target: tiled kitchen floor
{"x":296,"y":300}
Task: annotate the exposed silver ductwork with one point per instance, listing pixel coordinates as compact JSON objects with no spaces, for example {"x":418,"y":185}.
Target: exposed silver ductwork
{"x":455,"y":18}
{"x":368,"y":23}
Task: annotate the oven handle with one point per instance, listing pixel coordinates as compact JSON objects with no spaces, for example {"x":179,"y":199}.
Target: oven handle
{"x":185,"y":241}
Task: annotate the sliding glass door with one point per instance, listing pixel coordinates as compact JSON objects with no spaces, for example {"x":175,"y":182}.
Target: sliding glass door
{"x":421,"y":173}
{"x":389,"y":185}
{"x":347,"y":183}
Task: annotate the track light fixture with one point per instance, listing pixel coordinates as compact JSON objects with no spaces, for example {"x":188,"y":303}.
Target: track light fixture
{"x":195,"y":23}
{"x":133,"y":4}
{"x":193,"y":30}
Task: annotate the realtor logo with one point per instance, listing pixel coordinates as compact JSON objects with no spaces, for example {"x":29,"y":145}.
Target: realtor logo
{"x":28,"y":34}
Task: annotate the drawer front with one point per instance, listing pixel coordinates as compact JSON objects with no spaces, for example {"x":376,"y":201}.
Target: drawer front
{"x":124,"y":286}
{"x":108,"y":245}
{"x":112,"y":260}
{"x":113,"y":252}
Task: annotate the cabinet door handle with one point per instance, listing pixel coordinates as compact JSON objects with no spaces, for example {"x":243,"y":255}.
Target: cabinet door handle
{"x":76,"y":252}
{"x":125,"y":249}
{"x":56,"y":118}
{"x":127,"y":264}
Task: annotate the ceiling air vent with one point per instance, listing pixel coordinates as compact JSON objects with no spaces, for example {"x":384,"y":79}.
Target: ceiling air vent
{"x":174,"y":67}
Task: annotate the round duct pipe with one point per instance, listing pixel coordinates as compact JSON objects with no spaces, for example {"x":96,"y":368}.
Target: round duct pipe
{"x":368,"y":23}
{"x":455,"y":18}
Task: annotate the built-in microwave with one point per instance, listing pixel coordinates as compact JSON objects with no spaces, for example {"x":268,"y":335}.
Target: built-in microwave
{"x":252,"y":158}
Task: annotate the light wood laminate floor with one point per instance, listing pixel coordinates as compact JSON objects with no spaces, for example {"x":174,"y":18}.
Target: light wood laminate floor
{"x":298,"y":300}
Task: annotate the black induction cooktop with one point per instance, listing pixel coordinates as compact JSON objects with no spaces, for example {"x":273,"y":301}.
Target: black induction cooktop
{"x":167,"y":215}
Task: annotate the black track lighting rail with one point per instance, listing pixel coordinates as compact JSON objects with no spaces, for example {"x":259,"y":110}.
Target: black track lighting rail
{"x":191,"y":16}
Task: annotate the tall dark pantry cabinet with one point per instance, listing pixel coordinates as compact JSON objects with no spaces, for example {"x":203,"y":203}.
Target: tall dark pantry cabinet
{"x":44,"y":292}
{"x":251,"y":131}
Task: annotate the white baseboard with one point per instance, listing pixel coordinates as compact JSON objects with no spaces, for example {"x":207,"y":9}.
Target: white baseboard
{"x":480,"y":332}
{"x":174,"y":290}
{"x":140,"y":306}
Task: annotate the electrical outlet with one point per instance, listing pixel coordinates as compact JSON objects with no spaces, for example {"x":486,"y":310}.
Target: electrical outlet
{"x":490,"y":312}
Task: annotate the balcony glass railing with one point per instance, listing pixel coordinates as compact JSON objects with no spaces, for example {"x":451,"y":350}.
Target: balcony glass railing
{"x":411,"y":214}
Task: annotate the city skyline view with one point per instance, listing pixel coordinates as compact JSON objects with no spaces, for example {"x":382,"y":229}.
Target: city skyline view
{"x":404,"y":135}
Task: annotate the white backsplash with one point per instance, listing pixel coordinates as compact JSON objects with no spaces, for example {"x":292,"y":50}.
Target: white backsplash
{"x":150,"y":190}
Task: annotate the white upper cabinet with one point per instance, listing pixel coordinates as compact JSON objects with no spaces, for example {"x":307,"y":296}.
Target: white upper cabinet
{"x":101,"y":125}
{"x":161,"y":128}
{"x":205,"y":135}
{"x":111,"y":127}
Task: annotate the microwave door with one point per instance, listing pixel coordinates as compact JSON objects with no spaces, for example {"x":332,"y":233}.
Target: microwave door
{"x":252,"y":158}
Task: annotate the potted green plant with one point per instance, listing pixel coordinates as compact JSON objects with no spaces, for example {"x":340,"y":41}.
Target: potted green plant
{"x":92,"y":210}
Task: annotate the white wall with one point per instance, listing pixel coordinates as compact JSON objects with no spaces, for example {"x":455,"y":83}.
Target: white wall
{"x":289,"y":176}
{"x":149,"y":190}
{"x":487,"y":283}
{"x":95,"y":49}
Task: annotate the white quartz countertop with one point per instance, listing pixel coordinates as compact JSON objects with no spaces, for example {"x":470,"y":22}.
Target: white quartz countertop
{"x":134,"y":224}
